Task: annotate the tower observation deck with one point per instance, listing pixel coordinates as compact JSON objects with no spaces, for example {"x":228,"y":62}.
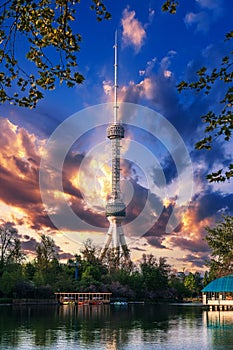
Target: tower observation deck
{"x":115,"y":207}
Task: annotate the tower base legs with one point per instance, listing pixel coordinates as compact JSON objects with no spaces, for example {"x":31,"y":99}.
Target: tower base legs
{"x":115,"y":238}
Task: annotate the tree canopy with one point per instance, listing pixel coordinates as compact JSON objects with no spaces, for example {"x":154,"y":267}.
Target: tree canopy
{"x":220,"y":241}
{"x":10,"y":246}
{"x":218,"y":124}
{"x":42,"y":31}
{"x":40,"y":46}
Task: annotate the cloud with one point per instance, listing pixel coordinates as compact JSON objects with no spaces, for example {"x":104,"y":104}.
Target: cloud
{"x":211,"y":11}
{"x":19,"y":176}
{"x":149,"y":67}
{"x":158,"y":88}
{"x":107,"y":86}
{"x":28,"y":245}
{"x":133,"y":32}
{"x":212,"y":203}
{"x":198,"y":260}
{"x":201,"y":20}
{"x":19,"y":159}
{"x":210,"y":4}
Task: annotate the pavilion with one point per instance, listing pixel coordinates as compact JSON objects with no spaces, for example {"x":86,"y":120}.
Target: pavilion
{"x":218,"y":294}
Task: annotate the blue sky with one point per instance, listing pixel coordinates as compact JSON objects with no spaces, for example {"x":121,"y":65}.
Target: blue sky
{"x":155,"y":52}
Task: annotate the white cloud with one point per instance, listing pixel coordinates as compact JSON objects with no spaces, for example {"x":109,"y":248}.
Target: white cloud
{"x":211,"y":10}
{"x":133,"y":32}
{"x":142,"y":72}
{"x":167,"y":73}
{"x":151,"y":15}
{"x":107,"y":86}
{"x":165,"y":64}
{"x":146,"y":88}
{"x":200,"y":19}
{"x":209,"y":4}
{"x":150,"y":65}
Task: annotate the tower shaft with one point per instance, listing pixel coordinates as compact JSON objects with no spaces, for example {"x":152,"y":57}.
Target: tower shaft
{"x":115,"y":207}
{"x":115,"y":166}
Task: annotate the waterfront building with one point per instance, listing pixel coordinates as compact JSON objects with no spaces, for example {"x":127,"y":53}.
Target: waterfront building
{"x":218,"y":294}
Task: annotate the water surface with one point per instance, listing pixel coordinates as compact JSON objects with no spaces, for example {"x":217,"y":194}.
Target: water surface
{"x":130,"y":327}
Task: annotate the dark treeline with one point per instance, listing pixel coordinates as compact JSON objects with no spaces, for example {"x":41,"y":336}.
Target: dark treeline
{"x":150,"y":278}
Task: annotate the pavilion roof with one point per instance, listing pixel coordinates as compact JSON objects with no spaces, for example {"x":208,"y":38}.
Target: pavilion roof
{"x":222,"y":284}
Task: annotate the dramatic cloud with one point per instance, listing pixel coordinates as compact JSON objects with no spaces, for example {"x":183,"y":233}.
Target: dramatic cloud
{"x":206,"y":206}
{"x":19,"y":175}
{"x":87,"y":170}
{"x":19,"y":159}
{"x":133,"y":32}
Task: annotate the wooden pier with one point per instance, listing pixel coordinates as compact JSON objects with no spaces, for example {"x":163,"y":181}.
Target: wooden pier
{"x":65,"y":298}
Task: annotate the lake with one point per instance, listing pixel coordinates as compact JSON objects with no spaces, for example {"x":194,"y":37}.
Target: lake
{"x":112,"y":327}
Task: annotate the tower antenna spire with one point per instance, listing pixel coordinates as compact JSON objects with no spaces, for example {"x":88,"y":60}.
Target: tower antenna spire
{"x":115,"y":80}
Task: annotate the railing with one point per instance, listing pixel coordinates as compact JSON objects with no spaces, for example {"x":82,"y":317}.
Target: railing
{"x":219,"y":302}
{"x":83,"y":298}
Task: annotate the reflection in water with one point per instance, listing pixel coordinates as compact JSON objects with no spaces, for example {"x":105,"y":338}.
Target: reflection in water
{"x":114,"y":327}
{"x":221,"y":325}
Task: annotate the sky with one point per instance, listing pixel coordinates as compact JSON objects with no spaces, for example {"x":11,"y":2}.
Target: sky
{"x":55,"y":160}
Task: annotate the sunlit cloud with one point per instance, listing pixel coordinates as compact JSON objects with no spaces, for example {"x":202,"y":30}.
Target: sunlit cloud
{"x":133,"y":32}
{"x":107,"y":86}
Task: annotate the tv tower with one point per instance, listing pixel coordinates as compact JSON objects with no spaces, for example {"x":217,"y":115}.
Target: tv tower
{"x":115,"y":207}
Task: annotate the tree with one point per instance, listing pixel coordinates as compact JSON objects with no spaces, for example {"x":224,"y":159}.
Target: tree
{"x":170,"y":6}
{"x":91,"y":268}
{"x":47,"y":255}
{"x":48,"y":49}
{"x":154,"y":274}
{"x":218,"y":124}
{"x":192,"y":283}
{"x":10,"y":247}
{"x":89,"y":251}
{"x":220,"y":241}
{"x":44,"y":30}
{"x":207,"y":278}
{"x":177,"y":290}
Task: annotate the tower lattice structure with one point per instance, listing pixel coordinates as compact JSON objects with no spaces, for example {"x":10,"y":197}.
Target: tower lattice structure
{"x":115,"y":207}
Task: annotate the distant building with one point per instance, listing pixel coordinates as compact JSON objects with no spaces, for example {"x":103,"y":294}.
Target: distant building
{"x":218,"y":294}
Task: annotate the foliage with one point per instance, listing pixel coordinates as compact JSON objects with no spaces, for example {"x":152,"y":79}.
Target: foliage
{"x":193,"y":284}
{"x":46,"y":252}
{"x":218,"y":124}
{"x":8,"y":281}
{"x":149,"y":279}
{"x":154,"y":275}
{"x":177,"y":288}
{"x":89,"y":251}
{"x":10,"y":247}
{"x":47,"y":40}
{"x":170,"y":6}
{"x":40,"y":46}
{"x":220,"y":241}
